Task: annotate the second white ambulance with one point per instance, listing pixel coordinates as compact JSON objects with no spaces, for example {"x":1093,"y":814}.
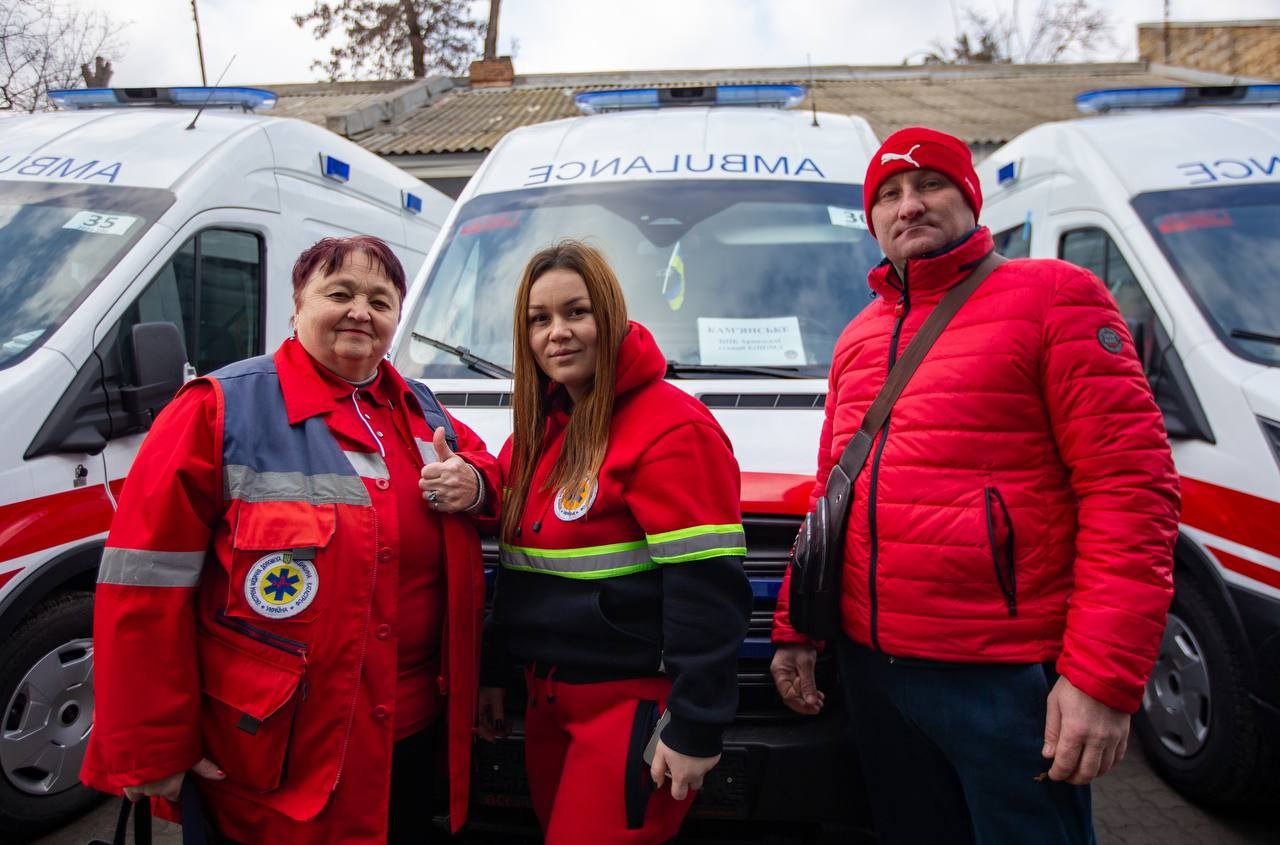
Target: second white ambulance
{"x":1172,"y":197}
{"x":737,"y":232}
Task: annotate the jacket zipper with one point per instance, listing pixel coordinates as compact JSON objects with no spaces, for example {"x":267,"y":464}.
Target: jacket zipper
{"x":904,"y":306}
{"x":263,"y":636}
{"x":364,"y":649}
{"x":1006,"y":574}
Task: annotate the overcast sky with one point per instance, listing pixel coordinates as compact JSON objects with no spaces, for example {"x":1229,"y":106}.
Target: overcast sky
{"x":594,"y":35}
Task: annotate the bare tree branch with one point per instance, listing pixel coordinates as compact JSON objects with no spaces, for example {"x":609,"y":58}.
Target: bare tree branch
{"x":45,"y":45}
{"x":1059,"y":31}
{"x":393,"y":39}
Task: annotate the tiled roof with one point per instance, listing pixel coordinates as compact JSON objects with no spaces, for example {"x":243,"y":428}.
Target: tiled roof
{"x":318,"y":101}
{"x":984,"y":105}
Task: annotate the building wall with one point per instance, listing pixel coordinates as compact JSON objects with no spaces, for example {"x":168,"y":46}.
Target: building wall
{"x":1236,"y":48}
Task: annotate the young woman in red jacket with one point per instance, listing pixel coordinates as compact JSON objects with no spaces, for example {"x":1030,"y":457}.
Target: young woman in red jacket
{"x":621,"y":589}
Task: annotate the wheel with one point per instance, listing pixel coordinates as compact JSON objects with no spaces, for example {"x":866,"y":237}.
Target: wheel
{"x":1200,"y":729}
{"x":46,"y":689}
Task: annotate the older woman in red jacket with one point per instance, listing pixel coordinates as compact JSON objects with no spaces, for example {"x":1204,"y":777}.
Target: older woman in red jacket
{"x":289,"y":599}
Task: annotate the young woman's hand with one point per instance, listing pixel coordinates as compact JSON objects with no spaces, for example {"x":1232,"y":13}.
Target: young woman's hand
{"x":686,"y":772}
{"x":170,"y":787}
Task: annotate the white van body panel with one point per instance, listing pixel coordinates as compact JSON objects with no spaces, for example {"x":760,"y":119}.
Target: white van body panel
{"x":239,"y":171}
{"x":776,"y":449}
{"x":1086,"y":173}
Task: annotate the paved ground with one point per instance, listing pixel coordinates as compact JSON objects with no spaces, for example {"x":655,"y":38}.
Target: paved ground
{"x":1131,"y":807}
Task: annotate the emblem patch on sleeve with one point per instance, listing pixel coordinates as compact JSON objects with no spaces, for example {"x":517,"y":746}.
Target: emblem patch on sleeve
{"x":1110,"y":339}
{"x":573,"y":503}
{"x":278,"y":586}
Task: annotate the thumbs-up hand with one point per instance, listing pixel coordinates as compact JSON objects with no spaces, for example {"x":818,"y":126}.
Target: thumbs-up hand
{"x":449,"y":484}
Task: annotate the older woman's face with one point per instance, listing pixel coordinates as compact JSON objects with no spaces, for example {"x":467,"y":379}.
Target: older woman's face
{"x":346,"y":319}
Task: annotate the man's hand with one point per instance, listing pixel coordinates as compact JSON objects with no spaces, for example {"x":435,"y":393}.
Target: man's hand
{"x":792,"y":669}
{"x":170,"y":787}
{"x":686,"y":772}
{"x":491,"y":720}
{"x":1083,"y":737}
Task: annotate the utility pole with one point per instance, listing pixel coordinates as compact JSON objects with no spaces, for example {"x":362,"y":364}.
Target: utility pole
{"x":491,"y":34}
{"x":199,"y":46}
{"x":1166,"y":31}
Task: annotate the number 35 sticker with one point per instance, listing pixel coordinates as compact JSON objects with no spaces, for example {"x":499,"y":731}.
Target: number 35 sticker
{"x":100,"y":223}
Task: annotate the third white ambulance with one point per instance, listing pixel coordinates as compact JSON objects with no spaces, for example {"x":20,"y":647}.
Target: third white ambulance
{"x":1172,"y":197}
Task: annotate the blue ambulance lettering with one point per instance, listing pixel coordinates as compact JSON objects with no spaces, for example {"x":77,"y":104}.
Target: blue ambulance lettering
{"x":59,"y":167}
{"x":1228,"y":169}
{"x":744,"y":163}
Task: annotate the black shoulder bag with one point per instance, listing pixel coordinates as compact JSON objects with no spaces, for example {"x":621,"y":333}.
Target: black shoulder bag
{"x":817,"y":556}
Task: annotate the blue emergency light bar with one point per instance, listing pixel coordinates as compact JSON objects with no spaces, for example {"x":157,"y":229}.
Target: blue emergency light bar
{"x":411,"y":202}
{"x":248,"y":99}
{"x":334,"y":169}
{"x":627,"y":99}
{"x":1007,"y":173}
{"x":1114,"y":99}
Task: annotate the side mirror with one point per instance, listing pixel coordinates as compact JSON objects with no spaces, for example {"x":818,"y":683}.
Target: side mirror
{"x":159,"y":354}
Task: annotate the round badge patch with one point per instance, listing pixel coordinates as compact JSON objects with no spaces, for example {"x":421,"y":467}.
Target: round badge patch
{"x":1110,"y":339}
{"x":278,"y":586}
{"x":572,"y":503}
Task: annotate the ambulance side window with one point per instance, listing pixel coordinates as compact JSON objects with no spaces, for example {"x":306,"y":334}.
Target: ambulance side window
{"x":212,"y":291}
{"x":1014,"y":242}
{"x":1094,"y":250}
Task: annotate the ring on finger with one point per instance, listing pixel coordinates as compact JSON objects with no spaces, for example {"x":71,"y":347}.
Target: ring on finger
{"x":432,"y":496}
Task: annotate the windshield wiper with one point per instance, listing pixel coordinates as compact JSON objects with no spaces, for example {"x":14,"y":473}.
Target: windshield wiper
{"x":463,"y":354}
{"x":1248,"y":335}
{"x":675,"y":369}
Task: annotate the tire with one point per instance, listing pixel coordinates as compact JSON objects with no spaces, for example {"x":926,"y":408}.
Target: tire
{"x":46,"y":690}
{"x":1201,"y":731}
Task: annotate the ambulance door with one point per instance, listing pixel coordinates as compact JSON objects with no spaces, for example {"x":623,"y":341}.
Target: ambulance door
{"x":211,"y":284}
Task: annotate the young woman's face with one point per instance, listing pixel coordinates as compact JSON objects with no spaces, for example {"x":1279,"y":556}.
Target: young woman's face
{"x":562,"y":330}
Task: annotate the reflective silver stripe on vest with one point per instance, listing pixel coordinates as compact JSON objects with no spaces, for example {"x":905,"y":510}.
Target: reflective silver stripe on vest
{"x":243,"y":483}
{"x":427,"y":449}
{"x":137,"y":568}
{"x":699,"y":546}
{"x":572,"y":563}
{"x":368,"y":464}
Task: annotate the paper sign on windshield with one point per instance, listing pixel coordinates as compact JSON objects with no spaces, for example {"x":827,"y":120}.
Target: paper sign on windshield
{"x":851,"y":218}
{"x":769,"y":341}
{"x":100,"y":223}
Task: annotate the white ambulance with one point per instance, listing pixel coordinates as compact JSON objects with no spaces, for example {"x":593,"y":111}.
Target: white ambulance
{"x":138,"y":242}
{"x":737,"y":231}
{"x":1172,"y":197}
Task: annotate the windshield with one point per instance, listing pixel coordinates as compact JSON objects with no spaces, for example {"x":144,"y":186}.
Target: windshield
{"x":725,"y":274}
{"x":1225,"y":246}
{"x":56,"y":243}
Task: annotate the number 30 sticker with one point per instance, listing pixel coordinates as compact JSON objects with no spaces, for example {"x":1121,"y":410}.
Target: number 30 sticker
{"x":100,"y":223}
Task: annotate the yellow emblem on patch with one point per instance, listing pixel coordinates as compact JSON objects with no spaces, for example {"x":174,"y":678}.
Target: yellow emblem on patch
{"x":573,"y":501}
{"x":277,"y":586}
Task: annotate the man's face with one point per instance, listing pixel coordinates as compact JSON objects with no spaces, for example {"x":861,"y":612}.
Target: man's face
{"x":918,"y":211}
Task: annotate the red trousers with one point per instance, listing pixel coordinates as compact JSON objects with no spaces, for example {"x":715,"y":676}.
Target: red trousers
{"x":584,"y":746}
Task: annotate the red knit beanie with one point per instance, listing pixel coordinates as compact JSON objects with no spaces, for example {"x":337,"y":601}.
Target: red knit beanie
{"x":925,"y":149}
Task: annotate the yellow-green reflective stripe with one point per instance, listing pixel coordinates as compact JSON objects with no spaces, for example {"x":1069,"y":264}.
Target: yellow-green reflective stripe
{"x":697,"y":543}
{"x":589,"y":562}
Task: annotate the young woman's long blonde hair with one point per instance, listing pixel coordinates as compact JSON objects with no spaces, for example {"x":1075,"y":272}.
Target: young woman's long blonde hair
{"x":587,"y":435}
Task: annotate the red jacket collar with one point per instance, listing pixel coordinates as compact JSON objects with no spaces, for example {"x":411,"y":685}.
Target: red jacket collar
{"x":935,"y":273}
{"x":310,"y":390}
{"x":640,"y":360}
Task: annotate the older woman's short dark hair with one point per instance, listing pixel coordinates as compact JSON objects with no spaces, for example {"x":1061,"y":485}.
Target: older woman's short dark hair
{"x":329,"y":254}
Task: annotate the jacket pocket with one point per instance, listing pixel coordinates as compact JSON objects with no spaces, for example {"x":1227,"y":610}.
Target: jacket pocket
{"x":277,"y":572}
{"x":252,"y":681}
{"x":1000,"y":539}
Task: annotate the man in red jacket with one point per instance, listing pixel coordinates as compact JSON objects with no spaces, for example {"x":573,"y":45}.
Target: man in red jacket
{"x":1007,"y":561}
